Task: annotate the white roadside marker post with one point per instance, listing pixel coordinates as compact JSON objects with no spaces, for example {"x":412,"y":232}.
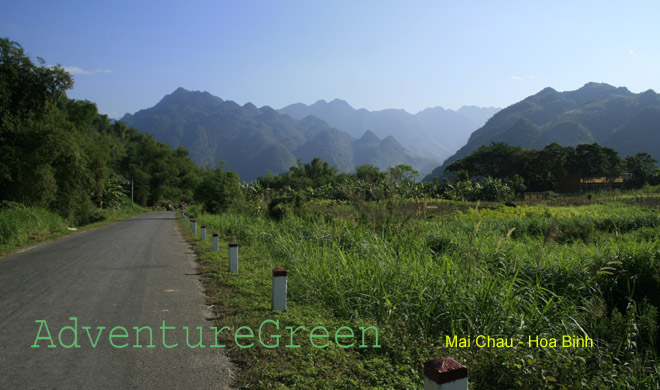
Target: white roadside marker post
{"x":193,"y":226}
{"x":203,"y":233}
{"x":185,"y":217}
{"x":279,"y":289}
{"x":215,"y":242}
{"x":445,"y":374}
{"x":233,"y":257}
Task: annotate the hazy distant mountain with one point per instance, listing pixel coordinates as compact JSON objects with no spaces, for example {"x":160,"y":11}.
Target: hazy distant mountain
{"x":435,"y":132}
{"x":614,"y":117}
{"x":252,"y":141}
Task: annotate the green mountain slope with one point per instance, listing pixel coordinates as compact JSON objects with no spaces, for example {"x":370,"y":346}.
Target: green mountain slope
{"x":252,"y":141}
{"x":601,"y":113}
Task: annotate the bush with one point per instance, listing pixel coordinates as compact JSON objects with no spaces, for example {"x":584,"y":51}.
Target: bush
{"x":279,"y":207}
{"x":490,"y":190}
{"x":218,"y":190}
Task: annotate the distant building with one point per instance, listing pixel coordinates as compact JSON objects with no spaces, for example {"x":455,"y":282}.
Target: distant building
{"x":599,"y":183}
{"x":573,"y":183}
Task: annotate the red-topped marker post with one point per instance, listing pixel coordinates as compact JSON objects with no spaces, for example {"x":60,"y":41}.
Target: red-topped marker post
{"x":193,"y":226}
{"x":445,"y":374}
{"x":279,"y":289}
{"x":233,"y":257}
{"x":215,"y":242}
{"x":203,"y":238}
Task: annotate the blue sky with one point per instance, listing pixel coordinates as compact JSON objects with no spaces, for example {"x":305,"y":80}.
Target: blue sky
{"x":125,"y":56}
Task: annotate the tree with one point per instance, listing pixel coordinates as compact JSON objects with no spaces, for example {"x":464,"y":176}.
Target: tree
{"x":217,"y":190}
{"x":29,"y":140}
{"x":27,"y":91}
{"x":61,"y":154}
{"x":369,"y":173}
{"x":402,"y":173}
{"x":642,"y":167}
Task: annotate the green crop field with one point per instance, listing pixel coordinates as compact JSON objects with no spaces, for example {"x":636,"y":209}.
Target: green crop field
{"x":534,"y":296}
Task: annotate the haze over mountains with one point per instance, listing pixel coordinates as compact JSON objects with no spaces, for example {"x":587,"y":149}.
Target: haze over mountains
{"x":434,"y":132}
{"x":253,"y":141}
{"x":610,"y":116}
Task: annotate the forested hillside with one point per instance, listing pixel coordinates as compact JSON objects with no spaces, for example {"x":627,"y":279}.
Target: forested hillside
{"x":613,"y":117}
{"x":253,"y":141}
{"x":61,"y":154}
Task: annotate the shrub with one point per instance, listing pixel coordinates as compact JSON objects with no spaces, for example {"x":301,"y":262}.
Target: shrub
{"x":217,"y":190}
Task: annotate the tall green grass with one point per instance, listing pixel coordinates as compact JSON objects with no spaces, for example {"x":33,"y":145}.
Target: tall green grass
{"x":505,"y":272}
{"x":20,"y":224}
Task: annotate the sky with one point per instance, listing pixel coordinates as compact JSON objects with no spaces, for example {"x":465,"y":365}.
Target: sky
{"x":126,"y":55}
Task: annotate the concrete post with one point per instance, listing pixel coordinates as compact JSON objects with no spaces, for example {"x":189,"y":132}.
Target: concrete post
{"x":233,"y":257}
{"x":203,"y":233}
{"x":193,"y":226}
{"x":445,"y":374}
{"x":215,"y":242}
{"x":185,"y":217}
{"x":279,"y":289}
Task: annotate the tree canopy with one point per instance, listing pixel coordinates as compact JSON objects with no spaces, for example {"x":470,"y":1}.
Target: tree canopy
{"x":539,"y":170}
{"x":63,"y":155}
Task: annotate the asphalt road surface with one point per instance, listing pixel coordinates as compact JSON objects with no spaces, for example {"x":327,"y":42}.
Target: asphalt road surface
{"x":133,"y":273}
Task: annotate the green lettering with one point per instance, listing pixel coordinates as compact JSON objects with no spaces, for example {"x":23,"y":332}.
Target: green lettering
{"x":89,"y":336}
{"x":242,"y":336}
{"x":217,"y":332}
{"x":342,"y":336}
{"x":112,"y":335}
{"x":200,"y":345}
{"x":290,"y":328}
{"x":40,"y":337}
{"x":276,"y":337}
{"x":364,"y":330}
{"x":312,"y":336}
{"x":137,"y":337}
{"x":164,"y":328}
{"x":73,"y":329}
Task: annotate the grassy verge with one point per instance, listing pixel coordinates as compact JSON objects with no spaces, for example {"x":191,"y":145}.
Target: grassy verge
{"x":244,"y":299}
{"x":21,"y":226}
{"x":422,"y":277}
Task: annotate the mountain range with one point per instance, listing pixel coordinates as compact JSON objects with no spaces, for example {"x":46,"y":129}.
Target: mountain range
{"x":253,"y":141}
{"x":434,"y":132}
{"x":597,"y":112}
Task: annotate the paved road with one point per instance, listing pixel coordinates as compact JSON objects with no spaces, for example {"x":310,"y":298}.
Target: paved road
{"x":133,"y":273}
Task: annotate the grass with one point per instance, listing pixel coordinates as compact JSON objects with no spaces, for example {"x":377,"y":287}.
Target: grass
{"x":21,"y":225}
{"x":420,"y":274}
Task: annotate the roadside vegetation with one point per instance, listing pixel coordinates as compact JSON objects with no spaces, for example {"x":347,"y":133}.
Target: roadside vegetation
{"x":22,"y":225}
{"x":421,"y":270}
{"x":62,"y":164}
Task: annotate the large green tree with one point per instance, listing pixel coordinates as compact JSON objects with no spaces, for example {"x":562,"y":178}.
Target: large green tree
{"x":62,"y":154}
{"x":643,"y":169}
{"x":217,"y":190}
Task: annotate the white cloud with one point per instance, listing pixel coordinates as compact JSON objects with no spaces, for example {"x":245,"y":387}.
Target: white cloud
{"x":516,"y":77}
{"x":631,"y":52}
{"x":531,"y":77}
{"x":77,"y":70}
